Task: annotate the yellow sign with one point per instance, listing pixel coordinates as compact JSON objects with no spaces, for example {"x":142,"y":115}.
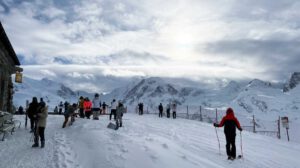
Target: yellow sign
{"x":18,"y":78}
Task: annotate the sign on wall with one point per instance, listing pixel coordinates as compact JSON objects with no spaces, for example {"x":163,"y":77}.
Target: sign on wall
{"x":18,"y":78}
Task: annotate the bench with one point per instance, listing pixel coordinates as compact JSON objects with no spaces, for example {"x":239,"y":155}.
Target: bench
{"x":6,"y":124}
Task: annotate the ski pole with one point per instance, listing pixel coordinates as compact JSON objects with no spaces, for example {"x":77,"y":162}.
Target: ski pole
{"x":241,"y":144}
{"x":218,"y":141}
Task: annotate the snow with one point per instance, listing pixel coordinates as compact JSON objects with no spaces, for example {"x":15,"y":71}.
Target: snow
{"x":145,"y":141}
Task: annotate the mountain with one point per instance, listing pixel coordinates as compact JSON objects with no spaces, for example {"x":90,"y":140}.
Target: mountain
{"x":293,"y":82}
{"x":51,"y":91}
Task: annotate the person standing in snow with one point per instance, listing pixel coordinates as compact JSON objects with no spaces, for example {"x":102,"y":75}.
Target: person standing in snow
{"x":160,"y":109}
{"x":70,"y":113}
{"x":66,"y":104}
{"x":104,"y":108}
{"x":39,"y":131}
{"x":60,"y":107}
{"x":96,"y":107}
{"x":168,"y":110}
{"x":113,"y":109}
{"x":87,"y":107}
{"x":119,"y":114}
{"x":141,"y":108}
{"x":174,"y":107}
{"x":32,"y":113}
{"x":230,"y":123}
{"x":81,"y":107}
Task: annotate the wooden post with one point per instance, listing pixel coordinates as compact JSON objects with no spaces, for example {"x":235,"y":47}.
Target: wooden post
{"x":279,"y":127}
{"x":287,"y":134}
{"x":201,"y":119}
{"x":187,"y":112}
{"x":216,"y":115}
{"x":253,"y":120}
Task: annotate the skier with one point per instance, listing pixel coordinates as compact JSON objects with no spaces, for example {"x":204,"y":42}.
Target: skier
{"x":104,"y":108}
{"x":141,"y":108}
{"x":174,"y":106}
{"x":32,"y":113}
{"x":60,"y":107}
{"x":96,"y":107}
{"x":70,"y":113}
{"x":160,"y":108}
{"x":119,"y":114}
{"x":230,"y":123}
{"x":87,"y":107}
{"x":20,"y":110}
{"x":66,"y":104}
{"x":168,"y":110}
{"x":39,"y":131}
{"x":55,"y":110}
{"x":81,"y":107}
{"x":113,"y":109}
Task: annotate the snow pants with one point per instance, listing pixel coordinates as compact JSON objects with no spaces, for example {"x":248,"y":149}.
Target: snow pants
{"x":160,"y":114}
{"x":112,"y":112}
{"x":174,"y":114}
{"x":230,"y":145}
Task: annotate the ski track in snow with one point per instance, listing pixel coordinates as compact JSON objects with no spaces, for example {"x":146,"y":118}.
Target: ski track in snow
{"x":145,"y":141}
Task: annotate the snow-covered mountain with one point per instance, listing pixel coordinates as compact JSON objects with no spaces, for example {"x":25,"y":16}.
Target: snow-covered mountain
{"x":52,"y":92}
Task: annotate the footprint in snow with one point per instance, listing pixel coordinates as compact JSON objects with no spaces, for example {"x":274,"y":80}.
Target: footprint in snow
{"x":165,"y":146}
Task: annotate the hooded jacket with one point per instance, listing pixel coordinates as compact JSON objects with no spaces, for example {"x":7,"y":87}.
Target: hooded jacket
{"x":230,"y":123}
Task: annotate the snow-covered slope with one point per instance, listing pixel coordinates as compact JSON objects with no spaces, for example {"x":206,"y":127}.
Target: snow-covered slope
{"x":144,"y":141}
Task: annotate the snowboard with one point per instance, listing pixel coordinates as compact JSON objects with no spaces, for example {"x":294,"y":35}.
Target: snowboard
{"x":112,"y":126}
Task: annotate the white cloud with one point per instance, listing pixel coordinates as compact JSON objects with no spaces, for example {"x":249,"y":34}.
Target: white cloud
{"x":89,"y":31}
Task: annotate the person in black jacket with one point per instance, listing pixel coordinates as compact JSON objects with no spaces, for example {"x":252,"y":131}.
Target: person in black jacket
{"x":32,"y":113}
{"x":160,"y":108}
{"x":230,"y":124}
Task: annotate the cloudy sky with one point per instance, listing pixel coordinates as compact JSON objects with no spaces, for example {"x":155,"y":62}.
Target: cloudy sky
{"x":195,"y":39}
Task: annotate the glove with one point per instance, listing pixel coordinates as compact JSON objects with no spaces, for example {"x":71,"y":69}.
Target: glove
{"x":241,"y":129}
{"x":216,"y":125}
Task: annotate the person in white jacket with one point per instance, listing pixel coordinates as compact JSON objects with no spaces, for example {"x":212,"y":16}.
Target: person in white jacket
{"x":96,"y":104}
{"x":113,"y":109}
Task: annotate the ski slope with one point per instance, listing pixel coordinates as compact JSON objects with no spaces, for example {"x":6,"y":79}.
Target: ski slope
{"x":145,"y":141}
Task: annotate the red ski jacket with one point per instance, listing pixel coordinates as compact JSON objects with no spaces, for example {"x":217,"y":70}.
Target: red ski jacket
{"x":230,"y":123}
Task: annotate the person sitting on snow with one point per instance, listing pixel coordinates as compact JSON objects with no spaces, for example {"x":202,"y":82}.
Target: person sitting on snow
{"x":230,"y":124}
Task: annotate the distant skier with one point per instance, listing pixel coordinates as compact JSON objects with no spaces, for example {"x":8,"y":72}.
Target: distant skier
{"x":160,"y":109}
{"x":61,"y":105}
{"x":174,"y":107}
{"x":96,"y":107}
{"x":81,"y":107}
{"x":87,"y":107}
{"x":20,"y":110}
{"x":231,"y":123}
{"x":119,"y":114}
{"x":55,"y":110}
{"x":113,"y":109}
{"x":141,"y":108}
{"x":168,"y":110}
{"x":104,"y":105}
{"x":66,"y":104}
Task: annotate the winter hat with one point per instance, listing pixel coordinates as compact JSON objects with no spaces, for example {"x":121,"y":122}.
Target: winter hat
{"x":229,"y":111}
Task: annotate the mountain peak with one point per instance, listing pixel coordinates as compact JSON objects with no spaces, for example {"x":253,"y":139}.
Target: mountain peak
{"x":294,"y":81}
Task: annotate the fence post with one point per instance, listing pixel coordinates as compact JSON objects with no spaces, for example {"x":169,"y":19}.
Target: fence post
{"x":187,"y":112}
{"x":201,"y":119}
{"x":216,"y":115}
{"x":253,"y":120}
{"x":278,"y":127}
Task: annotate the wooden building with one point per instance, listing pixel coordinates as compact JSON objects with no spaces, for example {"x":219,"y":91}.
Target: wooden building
{"x":9,"y":64}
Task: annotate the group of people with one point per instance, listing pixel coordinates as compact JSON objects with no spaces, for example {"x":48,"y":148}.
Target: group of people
{"x":169,"y":107}
{"x":37,"y":113}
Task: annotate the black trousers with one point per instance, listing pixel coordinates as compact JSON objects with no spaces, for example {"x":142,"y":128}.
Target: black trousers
{"x":39,"y":133}
{"x":112,"y":112}
{"x":174,"y":114}
{"x":168,"y":113}
{"x":32,"y":124}
{"x":81,"y":113}
{"x":230,"y":145}
{"x":160,"y":114}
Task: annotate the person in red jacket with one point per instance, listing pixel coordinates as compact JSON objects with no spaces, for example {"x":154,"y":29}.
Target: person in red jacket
{"x":87,"y":107}
{"x":230,"y":124}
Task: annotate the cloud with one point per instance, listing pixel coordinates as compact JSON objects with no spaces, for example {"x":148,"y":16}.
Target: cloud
{"x":236,"y":39}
